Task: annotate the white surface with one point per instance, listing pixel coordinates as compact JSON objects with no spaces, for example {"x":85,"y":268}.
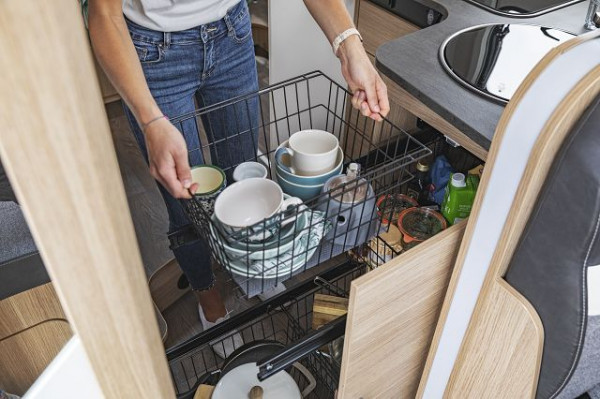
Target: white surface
{"x":593,"y":285}
{"x":297,"y":46}
{"x":69,"y":376}
{"x":527,"y":121}
{"x":237,"y":383}
{"x":296,"y":43}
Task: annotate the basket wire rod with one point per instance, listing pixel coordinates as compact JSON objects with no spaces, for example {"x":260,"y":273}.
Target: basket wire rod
{"x":269,"y":89}
{"x":309,"y":105}
{"x":255,"y":142}
{"x":343,"y":112}
{"x":296,"y":91}
{"x":227,"y":139}
{"x":329,"y":107}
{"x":274,"y":118}
{"x":287,"y":110}
{"x":265,"y":135}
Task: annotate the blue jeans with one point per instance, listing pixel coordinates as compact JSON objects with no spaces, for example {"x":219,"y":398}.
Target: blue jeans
{"x":208,"y":64}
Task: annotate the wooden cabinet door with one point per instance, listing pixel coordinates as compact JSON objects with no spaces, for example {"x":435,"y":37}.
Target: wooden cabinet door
{"x":392,"y":315}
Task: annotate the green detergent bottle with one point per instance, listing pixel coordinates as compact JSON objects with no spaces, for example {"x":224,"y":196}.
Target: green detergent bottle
{"x":459,"y":197}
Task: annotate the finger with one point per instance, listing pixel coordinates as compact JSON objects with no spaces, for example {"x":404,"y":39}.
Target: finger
{"x":364,"y":109}
{"x":384,"y":102}
{"x":371,"y":91}
{"x":362,"y":96}
{"x":354,"y":100}
{"x":193,"y":188}
{"x":362,"y":105}
{"x":182,"y":167}
{"x":168,"y":176}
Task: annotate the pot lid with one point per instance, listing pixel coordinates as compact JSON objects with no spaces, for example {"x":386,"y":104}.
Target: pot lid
{"x":238,"y":382}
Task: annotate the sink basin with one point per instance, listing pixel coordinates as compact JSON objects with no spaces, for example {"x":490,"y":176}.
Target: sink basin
{"x":493,"y":60}
{"x":522,"y":8}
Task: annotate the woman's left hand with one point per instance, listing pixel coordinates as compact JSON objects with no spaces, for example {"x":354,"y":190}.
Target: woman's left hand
{"x":369,"y":91}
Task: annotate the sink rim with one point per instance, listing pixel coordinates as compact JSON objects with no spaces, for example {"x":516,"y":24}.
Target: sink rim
{"x":461,"y":81}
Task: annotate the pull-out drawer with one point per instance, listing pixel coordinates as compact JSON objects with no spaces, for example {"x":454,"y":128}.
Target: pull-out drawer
{"x":392,"y":315}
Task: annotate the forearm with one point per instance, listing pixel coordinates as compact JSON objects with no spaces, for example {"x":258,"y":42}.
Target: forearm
{"x":117,"y":56}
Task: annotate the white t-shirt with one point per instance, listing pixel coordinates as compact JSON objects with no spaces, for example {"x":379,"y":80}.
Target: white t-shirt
{"x":175,"y":15}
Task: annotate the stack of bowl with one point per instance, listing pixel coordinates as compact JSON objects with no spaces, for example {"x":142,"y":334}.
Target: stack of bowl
{"x":306,"y":161}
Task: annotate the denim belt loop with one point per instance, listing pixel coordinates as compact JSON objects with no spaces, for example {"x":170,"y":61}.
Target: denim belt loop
{"x":166,"y":39}
{"x":228,"y":23}
{"x":204,"y":34}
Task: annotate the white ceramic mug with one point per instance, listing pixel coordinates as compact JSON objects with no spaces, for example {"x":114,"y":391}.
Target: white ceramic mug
{"x":312,"y":152}
{"x":248,"y":170}
{"x":247,"y":202}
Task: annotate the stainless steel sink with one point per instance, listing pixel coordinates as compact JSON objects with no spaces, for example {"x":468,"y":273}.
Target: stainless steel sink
{"x":493,"y":60}
{"x":522,"y":8}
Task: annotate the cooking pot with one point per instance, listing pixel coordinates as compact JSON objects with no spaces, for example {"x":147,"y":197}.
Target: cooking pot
{"x":239,"y":375}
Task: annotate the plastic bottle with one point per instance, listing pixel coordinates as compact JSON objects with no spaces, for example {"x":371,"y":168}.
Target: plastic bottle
{"x":459,"y":197}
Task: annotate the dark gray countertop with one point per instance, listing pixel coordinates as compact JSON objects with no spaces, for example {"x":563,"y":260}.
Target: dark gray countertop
{"x":412,"y":62}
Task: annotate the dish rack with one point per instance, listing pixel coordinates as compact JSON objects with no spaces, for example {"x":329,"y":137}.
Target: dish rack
{"x":285,"y":318}
{"x":312,"y":232}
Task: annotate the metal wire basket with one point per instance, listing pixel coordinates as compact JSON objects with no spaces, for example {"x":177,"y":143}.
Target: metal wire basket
{"x":326,"y":224}
{"x":286,"y":323}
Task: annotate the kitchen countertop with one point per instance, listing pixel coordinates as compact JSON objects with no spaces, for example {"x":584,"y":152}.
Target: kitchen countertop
{"x":412,"y":62}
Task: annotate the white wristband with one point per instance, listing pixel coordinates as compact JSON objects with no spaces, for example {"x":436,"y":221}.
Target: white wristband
{"x":343,"y":36}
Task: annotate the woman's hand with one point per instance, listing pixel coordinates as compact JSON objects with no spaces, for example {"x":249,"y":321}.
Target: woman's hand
{"x":370,"y":93}
{"x":168,"y":158}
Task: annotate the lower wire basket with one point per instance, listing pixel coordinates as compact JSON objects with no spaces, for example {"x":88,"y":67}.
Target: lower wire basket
{"x":285,"y":324}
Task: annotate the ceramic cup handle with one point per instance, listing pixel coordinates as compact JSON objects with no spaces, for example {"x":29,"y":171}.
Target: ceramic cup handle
{"x":278,"y":159}
{"x":292,"y":201}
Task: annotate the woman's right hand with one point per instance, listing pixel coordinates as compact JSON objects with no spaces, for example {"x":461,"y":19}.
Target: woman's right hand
{"x":168,"y":158}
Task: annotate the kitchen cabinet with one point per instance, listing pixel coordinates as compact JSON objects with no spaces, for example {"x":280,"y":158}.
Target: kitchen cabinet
{"x":392,"y":316}
{"x":80,"y":172}
{"x":378,"y":26}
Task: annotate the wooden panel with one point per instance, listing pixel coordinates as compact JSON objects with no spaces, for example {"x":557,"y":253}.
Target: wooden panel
{"x":392,"y":315}
{"x":406,"y":100}
{"x":27,"y":353}
{"x":57,"y":150}
{"x":501,"y":313}
{"x":29,"y":308}
{"x":497,"y":270}
{"x":501,"y":358}
{"x":378,"y":26}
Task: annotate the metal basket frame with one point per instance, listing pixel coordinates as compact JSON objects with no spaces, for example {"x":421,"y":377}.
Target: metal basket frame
{"x":287,"y":320}
{"x":310,"y":101}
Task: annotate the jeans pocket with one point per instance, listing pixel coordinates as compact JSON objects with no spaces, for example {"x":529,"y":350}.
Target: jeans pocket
{"x":242,"y":27}
{"x":148,"y":53}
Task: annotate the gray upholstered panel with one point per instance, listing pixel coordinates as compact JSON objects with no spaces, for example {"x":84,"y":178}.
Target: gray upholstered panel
{"x":20,"y":265}
{"x":549,"y":265}
{"x":587,"y":373}
{"x":6,"y":192}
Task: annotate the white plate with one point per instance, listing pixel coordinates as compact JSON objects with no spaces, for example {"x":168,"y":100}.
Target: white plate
{"x":237,"y":383}
{"x":264,"y":251}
